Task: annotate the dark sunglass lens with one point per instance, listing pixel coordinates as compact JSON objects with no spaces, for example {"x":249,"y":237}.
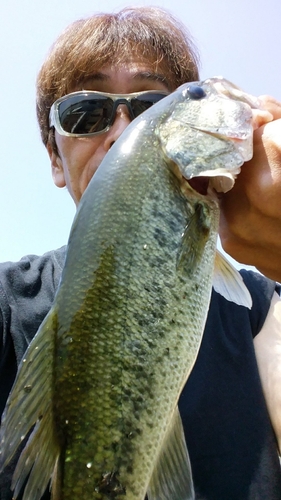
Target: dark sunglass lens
{"x":85,"y":116}
{"x":143,"y":102}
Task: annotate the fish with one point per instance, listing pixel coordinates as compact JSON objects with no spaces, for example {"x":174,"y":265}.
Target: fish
{"x":97,"y":390}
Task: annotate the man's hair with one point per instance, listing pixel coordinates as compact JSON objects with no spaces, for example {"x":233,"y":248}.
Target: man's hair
{"x":149,"y":33}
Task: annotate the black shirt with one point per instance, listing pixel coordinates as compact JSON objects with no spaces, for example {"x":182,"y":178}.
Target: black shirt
{"x":228,"y":432}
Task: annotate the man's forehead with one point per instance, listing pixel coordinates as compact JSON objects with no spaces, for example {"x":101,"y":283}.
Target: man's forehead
{"x":131,"y":72}
{"x":100,"y":76}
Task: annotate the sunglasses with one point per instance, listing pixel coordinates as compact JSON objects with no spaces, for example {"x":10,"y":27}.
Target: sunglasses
{"x":86,"y":113}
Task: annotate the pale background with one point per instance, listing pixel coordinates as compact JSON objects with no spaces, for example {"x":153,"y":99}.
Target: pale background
{"x":240,"y":40}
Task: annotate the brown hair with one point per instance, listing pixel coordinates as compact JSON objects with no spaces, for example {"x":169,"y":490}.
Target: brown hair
{"x":88,"y":44}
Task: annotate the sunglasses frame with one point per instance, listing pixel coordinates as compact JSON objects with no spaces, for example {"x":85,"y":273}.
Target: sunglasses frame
{"x":54,"y":120}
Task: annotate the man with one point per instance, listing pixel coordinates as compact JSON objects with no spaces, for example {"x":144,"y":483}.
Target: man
{"x":228,"y":431}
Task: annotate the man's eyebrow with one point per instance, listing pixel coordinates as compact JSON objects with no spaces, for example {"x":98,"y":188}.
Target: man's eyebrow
{"x":139,"y":75}
{"x":98,"y":76}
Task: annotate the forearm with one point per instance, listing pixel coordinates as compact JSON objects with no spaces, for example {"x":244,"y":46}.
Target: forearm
{"x":267,"y":348}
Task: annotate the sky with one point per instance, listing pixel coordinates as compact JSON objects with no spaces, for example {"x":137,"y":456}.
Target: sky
{"x":239,"y":40}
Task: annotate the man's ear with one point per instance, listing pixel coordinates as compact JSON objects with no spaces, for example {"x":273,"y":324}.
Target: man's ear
{"x":57,"y":168}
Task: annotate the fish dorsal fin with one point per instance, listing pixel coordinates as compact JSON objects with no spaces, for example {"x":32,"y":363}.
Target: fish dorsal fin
{"x":229,"y":283}
{"x":29,"y":404}
{"x":172,"y":477}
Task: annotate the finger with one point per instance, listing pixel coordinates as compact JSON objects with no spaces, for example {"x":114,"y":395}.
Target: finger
{"x":261,"y":117}
{"x":271,"y":104}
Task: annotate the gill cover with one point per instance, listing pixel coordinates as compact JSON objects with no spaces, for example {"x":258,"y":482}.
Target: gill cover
{"x":208,"y":133}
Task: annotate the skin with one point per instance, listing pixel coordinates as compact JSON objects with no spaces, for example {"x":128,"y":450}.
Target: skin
{"x":79,"y":157}
{"x":250,"y":226}
{"x":267,"y":348}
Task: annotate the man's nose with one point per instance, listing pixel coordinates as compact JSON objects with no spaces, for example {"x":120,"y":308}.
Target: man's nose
{"x":121,"y":121}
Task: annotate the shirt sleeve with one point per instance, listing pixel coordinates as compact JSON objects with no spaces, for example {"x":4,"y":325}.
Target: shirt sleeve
{"x":261,"y":290}
{"x":27,"y":290}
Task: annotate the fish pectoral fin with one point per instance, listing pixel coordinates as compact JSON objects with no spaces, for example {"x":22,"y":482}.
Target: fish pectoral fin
{"x":172,"y":478}
{"x":30,"y":405}
{"x":229,"y":283}
{"x":194,"y":239}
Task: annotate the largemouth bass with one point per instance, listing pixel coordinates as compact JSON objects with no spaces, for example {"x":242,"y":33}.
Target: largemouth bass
{"x":101,"y":379}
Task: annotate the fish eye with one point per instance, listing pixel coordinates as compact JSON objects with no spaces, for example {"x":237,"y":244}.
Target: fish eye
{"x":196,"y":92}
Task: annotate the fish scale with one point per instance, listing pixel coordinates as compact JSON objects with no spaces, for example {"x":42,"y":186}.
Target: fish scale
{"x":127,"y":321}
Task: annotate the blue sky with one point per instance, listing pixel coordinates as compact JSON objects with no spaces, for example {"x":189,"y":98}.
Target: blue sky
{"x":240,"y":40}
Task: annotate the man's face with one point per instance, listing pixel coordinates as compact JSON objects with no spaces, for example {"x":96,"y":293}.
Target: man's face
{"x":80,"y":157}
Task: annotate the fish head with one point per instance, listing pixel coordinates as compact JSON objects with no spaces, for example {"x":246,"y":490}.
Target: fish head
{"x":208,"y":131}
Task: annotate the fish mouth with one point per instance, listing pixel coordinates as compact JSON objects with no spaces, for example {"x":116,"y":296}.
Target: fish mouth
{"x":199,"y":184}
{"x":215,"y":181}
{"x":219,"y":181}
{"x":210,"y":181}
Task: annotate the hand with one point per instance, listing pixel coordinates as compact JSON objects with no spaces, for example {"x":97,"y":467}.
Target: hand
{"x":250,"y":226}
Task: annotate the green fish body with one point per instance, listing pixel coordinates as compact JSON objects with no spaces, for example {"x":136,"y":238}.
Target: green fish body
{"x":102,"y":377}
